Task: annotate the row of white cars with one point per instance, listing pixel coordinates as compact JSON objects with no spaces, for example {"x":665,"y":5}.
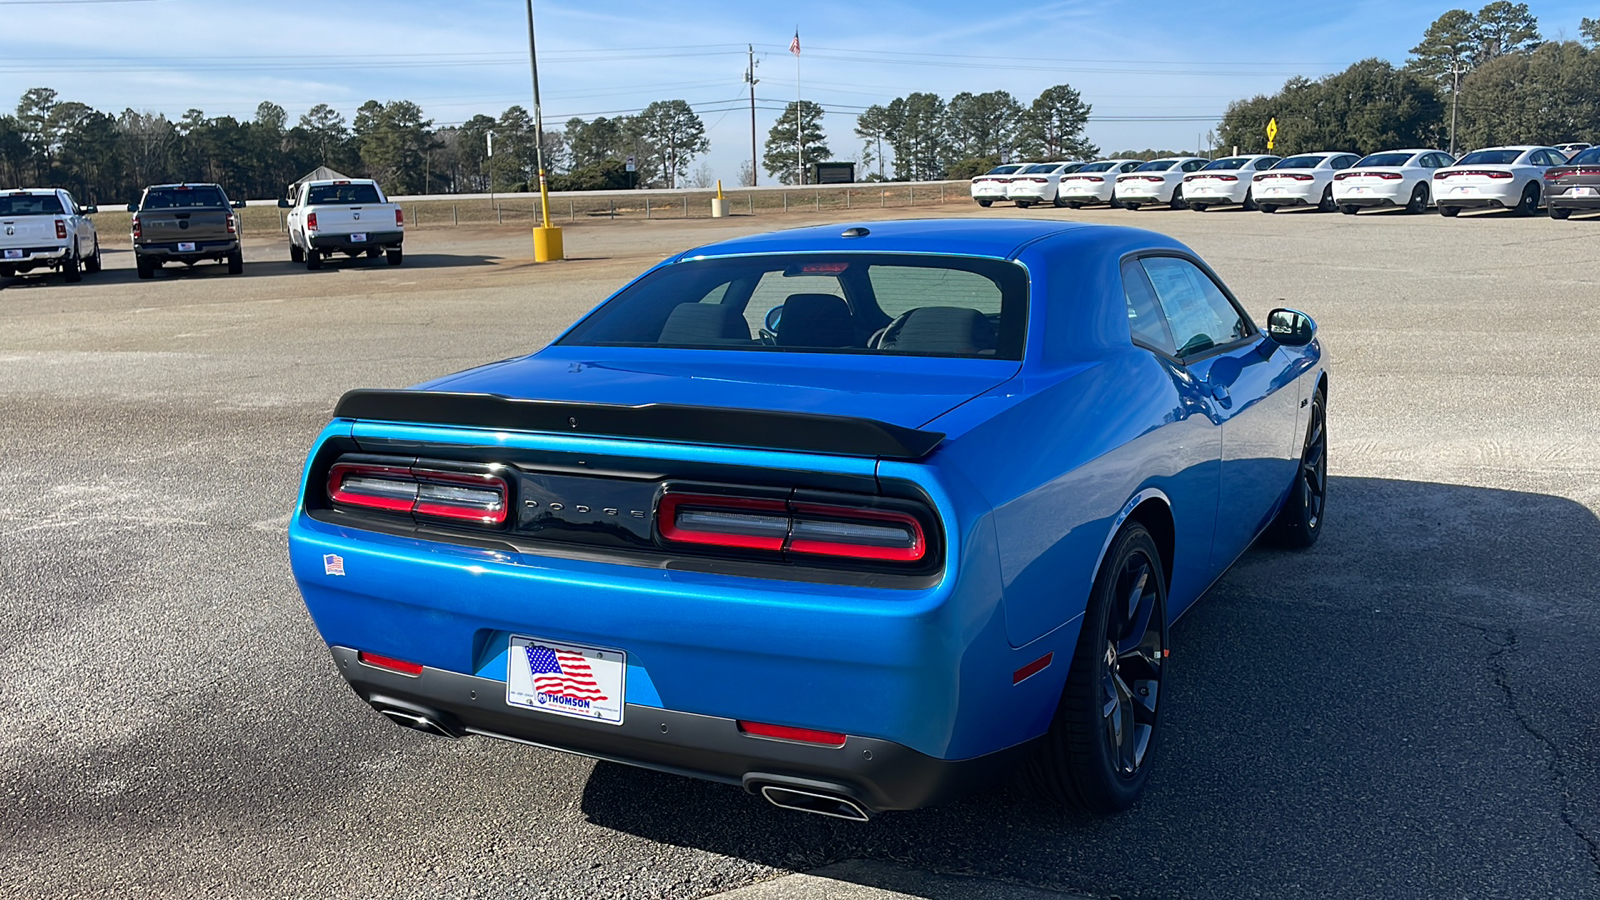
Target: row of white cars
{"x":1416,"y":179}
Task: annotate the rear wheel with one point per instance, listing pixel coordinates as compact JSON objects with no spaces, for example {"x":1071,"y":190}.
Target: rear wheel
{"x":1559,"y":212}
{"x":236,"y":262}
{"x":1059,"y":203}
{"x":1250,"y":201}
{"x":985,"y":203}
{"x":1349,"y":210}
{"x":1177,"y":198}
{"x":146,"y":268}
{"x":1300,"y":521}
{"x":1326,"y":204}
{"x":296,"y":255}
{"x":70,"y":270}
{"x":1529,"y":202}
{"x":1073,"y":204}
{"x":313,"y":259}
{"x":1199,"y":207}
{"x":1419,"y":200}
{"x":93,"y":263}
{"x":1130,"y":206}
{"x":1024,"y":204}
{"x":1267,"y":208}
{"x":396,"y":256}
{"x":1449,"y":212}
{"x":1096,"y":753}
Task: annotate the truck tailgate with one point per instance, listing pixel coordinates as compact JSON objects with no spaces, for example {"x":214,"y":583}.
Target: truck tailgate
{"x":354,"y":219}
{"x":166,"y":227}
{"x":29,"y":231}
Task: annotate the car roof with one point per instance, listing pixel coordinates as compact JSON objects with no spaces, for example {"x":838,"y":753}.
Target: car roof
{"x":341,"y":181}
{"x":996,"y":239}
{"x":29,"y":190}
{"x":1514,"y":147}
{"x":185,"y":184}
{"x":1405,"y":150}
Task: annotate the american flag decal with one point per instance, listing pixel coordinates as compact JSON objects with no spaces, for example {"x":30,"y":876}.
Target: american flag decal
{"x":562,"y":674}
{"x":332,"y":564}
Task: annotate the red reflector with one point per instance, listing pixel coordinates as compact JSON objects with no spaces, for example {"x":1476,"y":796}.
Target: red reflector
{"x":1032,"y":669}
{"x":393,"y":665}
{"x":785,"y":733}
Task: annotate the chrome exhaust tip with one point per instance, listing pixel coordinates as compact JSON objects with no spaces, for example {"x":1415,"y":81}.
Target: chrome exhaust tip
{"x":412,"y":718}
{"x":831,"y":805}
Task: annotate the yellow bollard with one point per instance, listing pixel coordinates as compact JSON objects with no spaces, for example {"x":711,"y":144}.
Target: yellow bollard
{"x":547,"y":245}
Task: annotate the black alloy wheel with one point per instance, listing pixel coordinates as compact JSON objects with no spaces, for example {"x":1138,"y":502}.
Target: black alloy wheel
{"x":1326,"y":204}
{"x":1300,"y":521}
{"x":93,"y":263}
{"x":1419,"y":200}
{"x":1096,"y":753}
{"x":1529,"y":202}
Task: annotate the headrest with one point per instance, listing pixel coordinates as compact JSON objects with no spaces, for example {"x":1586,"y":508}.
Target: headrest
{"x":816,"y":320}
{"x":704,"y":323}
{"x":941,"y":329}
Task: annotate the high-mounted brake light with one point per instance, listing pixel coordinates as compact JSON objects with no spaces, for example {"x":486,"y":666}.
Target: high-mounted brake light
{"x":823,"y":268}
{"x":807,"y":529}
{"x":471,"y":498}
{"x":61,"y":230}
{"x":311,"y":221}
{"x":389,"y":663}
{"x":787,"y":733}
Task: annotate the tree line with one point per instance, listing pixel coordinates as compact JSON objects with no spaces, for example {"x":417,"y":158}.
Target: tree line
{"x":1487,"y":77}
{"x":108,"y":158}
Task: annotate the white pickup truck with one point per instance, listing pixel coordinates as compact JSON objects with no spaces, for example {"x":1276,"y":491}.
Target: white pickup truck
{"x":44,"y":228}
{"x":348,"y":216}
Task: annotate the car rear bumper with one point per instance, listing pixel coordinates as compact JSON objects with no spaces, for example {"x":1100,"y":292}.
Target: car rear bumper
{"x":33,"y":256}
{"x":1562,"y":201}
{"x":1368,"y":201}
{"x":877,"y":775}
{"x":1214,"y":194}
{"x":204,"y":250}
{"x":384,"y":239}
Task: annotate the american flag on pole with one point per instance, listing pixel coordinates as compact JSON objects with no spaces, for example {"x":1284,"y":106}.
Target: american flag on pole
{"x":562,"y":674}
{"x":794,"y":45}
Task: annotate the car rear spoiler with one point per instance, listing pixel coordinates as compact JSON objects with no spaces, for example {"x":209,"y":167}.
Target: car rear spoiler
{"x":756,"y":428}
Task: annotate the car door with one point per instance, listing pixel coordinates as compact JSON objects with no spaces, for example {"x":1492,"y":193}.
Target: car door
{"x":1249,"y":383}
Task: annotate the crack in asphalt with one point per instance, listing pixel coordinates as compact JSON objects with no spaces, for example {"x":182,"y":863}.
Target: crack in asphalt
{"x":1558,"y":775}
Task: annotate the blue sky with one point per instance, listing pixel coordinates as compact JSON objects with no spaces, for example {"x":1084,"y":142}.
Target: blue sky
{"x":1148,"y":68}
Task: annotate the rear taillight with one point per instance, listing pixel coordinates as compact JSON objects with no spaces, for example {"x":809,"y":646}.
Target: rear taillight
{"x":389,"y":663}
{"x":1299,"y":177}
{"x":61,"y":230}
{"x":457,"y":496}
{"x":399,"y":216}
{"x":1440,"y":176}
{"x":138,"y":228}
{"x":1225,"y":177}
{"x":804,"y":529}
{"x":233,"y":224}
{"x":1498,"y":174}
{"x":1095,"y":179}
{"x":311,"y":221}
{"x":787,"y":733}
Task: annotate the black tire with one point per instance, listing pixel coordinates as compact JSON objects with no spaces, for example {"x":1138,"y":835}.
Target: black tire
{"x":1419,"y":201}
{"x":313,"y":259}
{"x":396,"y":256}
{"x":1326,"y":204}
{"x":1349,"y":210}
{"x":1115,"y":201}
{"x":1449,"y":212}
{"x":374,"y":252}
{"x":1267,"y":208}
{"x":1560,"y":212}
{"x":1097,"y":751}
{"x":1528,"y":203}
{"x":1132,"y":207}
{"x":7,"y":272}
{"x":296,"y":255}
{"x":70,"y":270}
{"x":93,"y":264}
{"x":1059,"y":203}
{"x":1073,"y":204}
{"x":1300,"y":521}
{"x":1199,"y":207}
{"x":1024,"y":204}
{"x":146,"y":269}
{"x":1177,"y":201}
{"x":1250,"y":200}
{"x":985,"y":203}
{"x":236,"y":262}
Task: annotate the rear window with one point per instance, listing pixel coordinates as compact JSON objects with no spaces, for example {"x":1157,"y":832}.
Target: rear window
{"x":184,"y":198}
{"x":30,"y":205}
{"x":1489,"y":158}
{"x":841,"y":303}
{"x":1229,"y":164}
{"x":1384,"y":159}
{"x":1587,"y":157}
{"x":1300,"y":162}
{"x":1160,"y":165}
{"x":1098,"y":167}
{"x":1002,"y":170}
{"x":342,"y":195}
{"x":1041,"y":169}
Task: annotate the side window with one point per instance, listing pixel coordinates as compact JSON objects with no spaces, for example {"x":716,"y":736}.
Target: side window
{"x":1194,"y":165}
{"x":1145,"y":321}
{"x":1200,"y":315}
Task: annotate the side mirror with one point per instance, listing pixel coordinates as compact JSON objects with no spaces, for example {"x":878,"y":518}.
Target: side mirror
{"x":238,"y":204}
{"x":133,"y":207}
{"x":773,"y":316}
{"x":89,"y":210}
{"x":1291,"y":327}
{"x":283,"y":203}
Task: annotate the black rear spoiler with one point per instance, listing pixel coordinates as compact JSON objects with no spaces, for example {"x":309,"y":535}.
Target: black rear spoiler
{"x":756,"y":428}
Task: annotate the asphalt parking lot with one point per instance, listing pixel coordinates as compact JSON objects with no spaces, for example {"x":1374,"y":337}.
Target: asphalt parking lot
{"x":1408,"y":710}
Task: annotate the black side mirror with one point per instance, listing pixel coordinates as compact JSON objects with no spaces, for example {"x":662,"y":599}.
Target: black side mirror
{"x":283,"y":203}
{"x":133,"y":207}
{"x":238,"y":204}
{"x":89,"y":210}
{"x":774,"y":315}
{"x":1291,"y":327}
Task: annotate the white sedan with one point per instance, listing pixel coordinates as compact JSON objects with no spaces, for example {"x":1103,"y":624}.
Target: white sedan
{"x":1303,"y":180}
{"x":991,"y":185}
{"x":1497,"y":178}
{"x":1391,"y":178}
{"x":1225,"y":182}
{"x":1158,"y":181}
{"x":1039,"y":183}
{"x":1095,"y":182}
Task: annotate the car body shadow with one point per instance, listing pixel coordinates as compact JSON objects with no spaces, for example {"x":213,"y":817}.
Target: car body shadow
{"x":1408,"y":676}
{"x":378,"y":263}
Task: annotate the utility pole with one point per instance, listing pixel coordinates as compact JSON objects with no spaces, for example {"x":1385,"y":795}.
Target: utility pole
{"x":546,"y":239}
{"x":750,"y":76}
{"x":1455,"y":101}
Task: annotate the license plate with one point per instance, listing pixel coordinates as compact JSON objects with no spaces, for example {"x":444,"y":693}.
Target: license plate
{"x":13,"y":254}
{"x":360,"y":238}
{"x":1278,"y":190}
{"x":1467,"y":189}
{"x":566,"y":679}
{"x":186,"y":247}
{"x":1582,"y":192}
{"x":1360,"y":190}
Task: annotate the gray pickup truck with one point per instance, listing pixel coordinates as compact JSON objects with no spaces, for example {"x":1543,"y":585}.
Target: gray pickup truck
{"x":185,"y":223}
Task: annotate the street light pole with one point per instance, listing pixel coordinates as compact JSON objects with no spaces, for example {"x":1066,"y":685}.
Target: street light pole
{"x":1455,"y":102}
{"x":546,"y":239}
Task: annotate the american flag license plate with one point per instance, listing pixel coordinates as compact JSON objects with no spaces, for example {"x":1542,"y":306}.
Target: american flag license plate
{"x":566,"y":679}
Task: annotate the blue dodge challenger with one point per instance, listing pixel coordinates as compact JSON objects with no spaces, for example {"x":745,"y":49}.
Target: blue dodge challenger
{"x":854,"y":517}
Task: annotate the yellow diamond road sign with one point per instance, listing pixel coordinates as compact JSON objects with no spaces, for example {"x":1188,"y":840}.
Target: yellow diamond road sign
{"x":1272,"y":132}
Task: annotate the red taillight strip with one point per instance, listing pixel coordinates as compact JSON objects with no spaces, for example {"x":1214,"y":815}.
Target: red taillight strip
{"x":673,"y":531}
{"x":772,"y":525}
{"x":786,"y":733}
{"x":406,"y":489}
{"x":816,"y":547}
{"x":389,"y":664}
